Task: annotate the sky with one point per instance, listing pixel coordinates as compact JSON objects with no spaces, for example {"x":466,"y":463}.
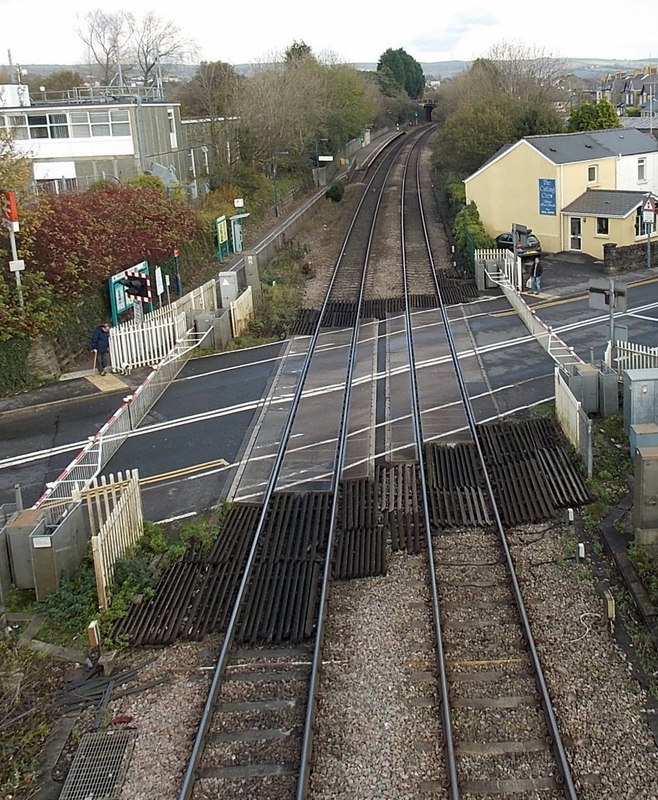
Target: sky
{"x":253,"y":31}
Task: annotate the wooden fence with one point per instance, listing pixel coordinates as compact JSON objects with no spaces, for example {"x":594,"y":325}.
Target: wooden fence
{"x":116,"y":522}
{"x":242,"y":310}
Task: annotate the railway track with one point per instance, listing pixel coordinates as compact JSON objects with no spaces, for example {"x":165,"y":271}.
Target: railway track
{"x":440,"y":483}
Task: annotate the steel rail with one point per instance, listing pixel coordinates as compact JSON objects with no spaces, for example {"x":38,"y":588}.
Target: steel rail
{"x":189,"y":776}
{"x":549,"y":712}
{"x":451,"y":761}
{"x":339,"y":462}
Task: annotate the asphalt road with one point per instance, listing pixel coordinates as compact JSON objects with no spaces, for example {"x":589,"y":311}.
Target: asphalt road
{"x":201,"y":418}
{"x":188,"y":446}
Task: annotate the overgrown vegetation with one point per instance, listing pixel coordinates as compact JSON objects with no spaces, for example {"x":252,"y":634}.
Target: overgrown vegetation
{"x":612,"y":468}
{"x":68,"y":611}
{"x":282,"y":283}
{"x":29,"y":683}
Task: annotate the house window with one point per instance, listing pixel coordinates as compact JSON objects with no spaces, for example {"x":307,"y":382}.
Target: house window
{"x":172,"y":128}
{"x":100,"y":123}
{"x":641,"y":169}
{"x":592,"y":173}
{"x":80,"y":124}
{"x":86,"y":124}
{"x":602,"y":226}
{"x":120,"y":122}
{"x":17,"y":123}
{"x":58,"y":126}
{"x":37,"y":126}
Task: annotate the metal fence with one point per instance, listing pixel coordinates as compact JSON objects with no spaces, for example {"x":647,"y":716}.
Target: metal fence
{"x":575,"y":423}
{"x":116,"y":523}
{"x":559,"y":351}
{"x":93,"y":457}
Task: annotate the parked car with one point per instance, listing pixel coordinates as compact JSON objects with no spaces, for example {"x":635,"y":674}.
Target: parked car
{"x":531,"y":249}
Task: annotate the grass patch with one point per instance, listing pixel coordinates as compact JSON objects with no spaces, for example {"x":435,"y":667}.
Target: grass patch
{"x":282,"y":284}
{"x":612,"y":468}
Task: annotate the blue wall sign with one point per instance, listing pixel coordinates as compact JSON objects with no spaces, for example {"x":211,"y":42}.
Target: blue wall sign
{"x":547,"y":196}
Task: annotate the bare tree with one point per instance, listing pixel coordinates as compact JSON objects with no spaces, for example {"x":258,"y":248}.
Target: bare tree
{"x":526,"y":73}
{"x":107,"y":36}
{"x":158,"y":42}
{"x":282,"y":107}
{"x":210,"y":95}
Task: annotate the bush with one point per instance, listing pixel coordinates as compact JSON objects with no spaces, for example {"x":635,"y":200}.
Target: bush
{"x":335,"y":192}
{"x":14,"y":373}
{"x":469,"y":231}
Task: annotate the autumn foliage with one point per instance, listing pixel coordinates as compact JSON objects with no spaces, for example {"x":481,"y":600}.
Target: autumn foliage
{"x":79,"y":240}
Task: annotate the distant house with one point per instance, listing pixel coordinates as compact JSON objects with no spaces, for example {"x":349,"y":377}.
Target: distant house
{"x":96,"y":133}
{"x":576,"y":191}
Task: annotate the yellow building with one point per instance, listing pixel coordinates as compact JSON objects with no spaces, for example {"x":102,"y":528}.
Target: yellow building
{"x":555,"y":185}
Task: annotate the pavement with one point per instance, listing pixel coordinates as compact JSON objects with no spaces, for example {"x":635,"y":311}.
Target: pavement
{"x":79,"y":385}
{"x":565,"y":275}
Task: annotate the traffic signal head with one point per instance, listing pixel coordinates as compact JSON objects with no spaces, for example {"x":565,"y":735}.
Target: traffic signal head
{"x":135,"y":285}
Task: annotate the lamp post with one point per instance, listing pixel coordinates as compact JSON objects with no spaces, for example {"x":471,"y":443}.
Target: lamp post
{"x":273,"y":157}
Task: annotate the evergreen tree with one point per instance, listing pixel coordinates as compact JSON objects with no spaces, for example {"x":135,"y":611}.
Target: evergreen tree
{"x":596,"y":117}
{"x":406,"y":71}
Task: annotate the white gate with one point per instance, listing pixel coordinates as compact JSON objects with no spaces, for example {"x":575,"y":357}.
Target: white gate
{"x":498,"y":265}
{"x":140,"y":344}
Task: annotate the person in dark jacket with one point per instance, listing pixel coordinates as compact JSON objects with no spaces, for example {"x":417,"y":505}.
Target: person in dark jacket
{"x":535,"y":274}
{"x":100,"y":345}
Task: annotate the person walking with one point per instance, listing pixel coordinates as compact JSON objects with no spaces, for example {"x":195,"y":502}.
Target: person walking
{"x":536,"y":273}
{"x":100,"y":346}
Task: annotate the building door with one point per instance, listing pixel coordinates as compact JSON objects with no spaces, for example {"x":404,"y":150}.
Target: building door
{"x":575,"y":238}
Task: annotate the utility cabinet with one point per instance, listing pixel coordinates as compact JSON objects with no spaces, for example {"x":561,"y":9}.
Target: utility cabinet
{"x":645,"y":496}
{"x":640,"y":397}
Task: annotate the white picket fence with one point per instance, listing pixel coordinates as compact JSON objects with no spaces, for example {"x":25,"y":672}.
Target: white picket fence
{"x":575,"y":423}
{"x":621,"y":356}
{"x":500,"y":265}
{"x":141,"y":344}
{"x":116,"y":523}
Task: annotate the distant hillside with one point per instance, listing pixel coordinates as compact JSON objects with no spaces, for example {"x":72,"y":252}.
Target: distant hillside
{"x":582,"y":67}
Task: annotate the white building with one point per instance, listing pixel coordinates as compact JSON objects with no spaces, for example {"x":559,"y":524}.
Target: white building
{"x":95,"y":133}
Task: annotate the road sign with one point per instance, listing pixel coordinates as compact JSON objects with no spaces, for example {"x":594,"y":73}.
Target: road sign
{"x":648,"y":211}
{"x":9,"y":208}
{"x":604,"y":291}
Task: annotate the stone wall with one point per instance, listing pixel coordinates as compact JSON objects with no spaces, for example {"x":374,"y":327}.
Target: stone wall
{"x":628,"y":258}
{"x":42,"y":360}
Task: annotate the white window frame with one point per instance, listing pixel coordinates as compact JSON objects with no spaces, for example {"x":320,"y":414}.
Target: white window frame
{"x":593,"y":169}
{"x":171,"y":118}
{"x":641,"y":170}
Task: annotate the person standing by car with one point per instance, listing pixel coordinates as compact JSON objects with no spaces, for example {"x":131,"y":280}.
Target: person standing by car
{"x":536,"y":273}
{"x":100,"y":346}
